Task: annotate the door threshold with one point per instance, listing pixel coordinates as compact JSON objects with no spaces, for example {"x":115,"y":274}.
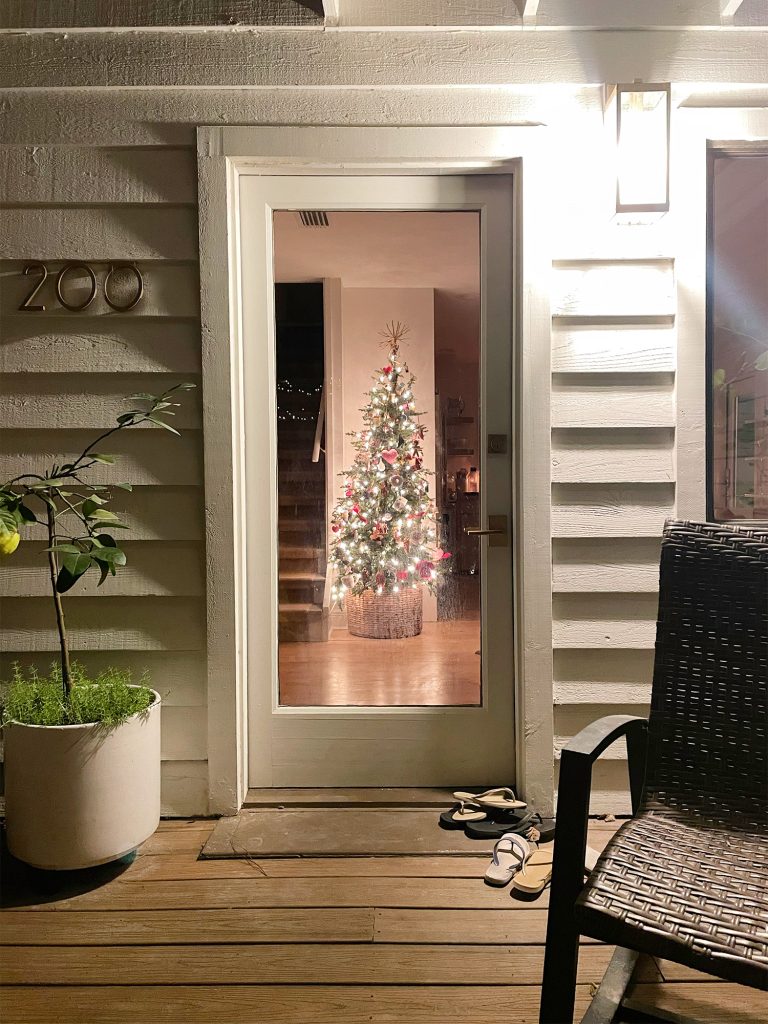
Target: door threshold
{"x":350,"y":797}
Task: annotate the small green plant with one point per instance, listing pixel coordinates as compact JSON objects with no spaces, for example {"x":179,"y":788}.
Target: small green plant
{"x":107,"y":698}
{"x":80,"y":530}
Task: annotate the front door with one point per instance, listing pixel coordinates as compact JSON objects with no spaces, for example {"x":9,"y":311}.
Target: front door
{"x":377,"y":327}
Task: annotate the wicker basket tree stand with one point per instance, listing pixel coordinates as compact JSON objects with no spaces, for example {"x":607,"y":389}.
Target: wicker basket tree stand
{"x":386,"y":616}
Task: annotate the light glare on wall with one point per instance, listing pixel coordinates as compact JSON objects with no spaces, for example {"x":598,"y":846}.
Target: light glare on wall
{"x":642,"y":143}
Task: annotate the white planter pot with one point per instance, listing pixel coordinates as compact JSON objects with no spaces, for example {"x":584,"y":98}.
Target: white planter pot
{"x":81,"y":795}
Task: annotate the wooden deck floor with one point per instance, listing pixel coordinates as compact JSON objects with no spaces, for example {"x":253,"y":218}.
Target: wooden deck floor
{"x":408,"y":940}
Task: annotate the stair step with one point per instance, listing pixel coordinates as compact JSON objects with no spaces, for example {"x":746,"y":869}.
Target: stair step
{"x":301,"y":577}
{"x":300,"y":608}
{"x":286,"y":500}
{"x":287,"y":525}
{"x":300,"y":551}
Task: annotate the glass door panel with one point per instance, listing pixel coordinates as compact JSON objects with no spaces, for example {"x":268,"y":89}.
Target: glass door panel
{"x":378,"y":458}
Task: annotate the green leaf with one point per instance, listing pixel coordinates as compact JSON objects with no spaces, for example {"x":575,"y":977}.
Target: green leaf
{"x":103,"y":572}
{"x":186,"y":386}
{"x":110,"y":525}
{"x":77,"y":564}
{"x":67,"y":578}
{"x":163,"y":424}
{"x":124,"y":487}
{"x":126,"y":417}
{"x":104,"y":540}
{"x":65,"y":549}
{"x":91,"y":509}
{"x":26,"y":514}
{"x":53,"y":481}
{"x":8,"y":520}
{"x":142,"y":396}
{"x":99,"y":457}
{"x":101,"y":514}
{"x":113,"y":556}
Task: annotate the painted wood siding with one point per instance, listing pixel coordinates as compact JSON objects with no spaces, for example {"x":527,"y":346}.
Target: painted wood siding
{"x":64,"y":376}
{"x":97,"y":171}
{"x":613,"y":485}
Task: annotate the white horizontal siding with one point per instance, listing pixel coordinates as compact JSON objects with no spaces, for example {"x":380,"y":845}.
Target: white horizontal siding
{"x":74,"y":401}
{"x":613,"y":473}
{"x":605,"y":455}
{"x":160,"y":569}
{"x":611,"y":348}
{"x":171,"y":289}
{"x":98,"y":234}
{"x":65,"y":378}
{"x":57,"y":175}
{"x":605,"y":510}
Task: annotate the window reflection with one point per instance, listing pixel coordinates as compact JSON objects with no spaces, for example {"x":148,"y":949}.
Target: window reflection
{"x":738,"y":333}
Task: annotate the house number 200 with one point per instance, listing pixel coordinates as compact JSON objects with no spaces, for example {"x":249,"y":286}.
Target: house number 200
{"x":69,"y":269}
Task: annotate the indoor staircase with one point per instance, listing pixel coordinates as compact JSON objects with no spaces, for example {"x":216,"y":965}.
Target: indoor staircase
{"x":301,"y":532}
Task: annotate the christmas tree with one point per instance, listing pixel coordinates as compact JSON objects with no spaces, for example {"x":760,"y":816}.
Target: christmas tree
{"x":384,"y":528}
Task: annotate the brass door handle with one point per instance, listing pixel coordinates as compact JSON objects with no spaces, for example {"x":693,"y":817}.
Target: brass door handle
{"x":497,"y":531}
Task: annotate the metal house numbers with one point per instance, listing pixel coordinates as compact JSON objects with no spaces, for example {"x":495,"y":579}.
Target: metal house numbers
{"x":71,"y":271}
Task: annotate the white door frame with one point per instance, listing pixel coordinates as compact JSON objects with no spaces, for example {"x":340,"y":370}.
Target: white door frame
{"x":225,"y":153}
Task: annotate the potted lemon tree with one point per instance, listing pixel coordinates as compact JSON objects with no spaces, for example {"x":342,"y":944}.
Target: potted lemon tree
{"x":82,"y":752}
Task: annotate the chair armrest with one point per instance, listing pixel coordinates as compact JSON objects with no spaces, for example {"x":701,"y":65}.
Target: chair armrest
{"x":598,"y":736}
{"x":576,"y":761}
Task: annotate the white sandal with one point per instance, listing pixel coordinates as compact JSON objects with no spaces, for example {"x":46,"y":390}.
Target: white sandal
{"x":509,"y":855}
{"x":500,"y":798}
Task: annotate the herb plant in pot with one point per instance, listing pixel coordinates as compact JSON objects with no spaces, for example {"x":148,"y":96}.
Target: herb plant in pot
{"x":82,"y":753}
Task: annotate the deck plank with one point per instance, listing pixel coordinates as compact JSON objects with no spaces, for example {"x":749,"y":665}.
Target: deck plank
{"x":204,"y":927}
{"x":335,"y":940}
{"x":277,"y":1004}
{"x":297,"y":964}
{"x":211,"y":894}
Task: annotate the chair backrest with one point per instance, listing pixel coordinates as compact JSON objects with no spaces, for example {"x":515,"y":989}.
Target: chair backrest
{"x":708,"y":748}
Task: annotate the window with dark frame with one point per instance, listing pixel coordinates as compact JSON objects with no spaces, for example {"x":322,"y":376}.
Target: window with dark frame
{"x":737,"y":335}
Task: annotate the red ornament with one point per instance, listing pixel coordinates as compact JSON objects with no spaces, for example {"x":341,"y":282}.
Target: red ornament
{"x":424,"y":570}
{"x":402,"y":575}
{"x":386,"y":369}
{"x":390,"y":455}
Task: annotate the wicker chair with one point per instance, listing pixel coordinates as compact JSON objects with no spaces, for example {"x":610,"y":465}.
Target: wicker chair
{"x":687,"y":877}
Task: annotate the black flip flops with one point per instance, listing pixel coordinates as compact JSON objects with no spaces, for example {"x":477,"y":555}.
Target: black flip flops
{"x":531,"y":825}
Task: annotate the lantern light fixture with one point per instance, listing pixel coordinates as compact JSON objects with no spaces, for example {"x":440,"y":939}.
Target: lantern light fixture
{"x":642,"y":147}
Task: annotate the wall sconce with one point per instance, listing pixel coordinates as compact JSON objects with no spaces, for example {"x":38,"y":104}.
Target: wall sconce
{"x":642,"y":147}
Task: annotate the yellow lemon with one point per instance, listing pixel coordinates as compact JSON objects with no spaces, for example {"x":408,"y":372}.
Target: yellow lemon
{"x":9,"y":541}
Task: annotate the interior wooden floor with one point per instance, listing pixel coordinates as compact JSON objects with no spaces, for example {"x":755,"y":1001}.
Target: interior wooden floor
{"x":407,"y":940}
{"x":439,"y":667}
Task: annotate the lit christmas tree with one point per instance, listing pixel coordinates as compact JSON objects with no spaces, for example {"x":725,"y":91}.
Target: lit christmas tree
{"x":384,"y":528}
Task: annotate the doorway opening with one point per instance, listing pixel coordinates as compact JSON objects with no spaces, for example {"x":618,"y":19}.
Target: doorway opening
{"x":341,"y":277}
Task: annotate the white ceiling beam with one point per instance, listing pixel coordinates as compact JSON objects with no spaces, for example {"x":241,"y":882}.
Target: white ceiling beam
{"x":332,"y":12}
{"x":530,"y":10}
{"x":728,"y":9}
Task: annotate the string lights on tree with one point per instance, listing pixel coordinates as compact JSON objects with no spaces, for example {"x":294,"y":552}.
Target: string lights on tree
{"x":384,"y":529}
